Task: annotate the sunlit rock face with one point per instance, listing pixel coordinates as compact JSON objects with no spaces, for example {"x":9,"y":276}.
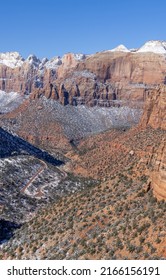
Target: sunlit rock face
{"x":100,"y":79}
{"x":158,"y":176}
{"x":155,"y":116}
{"x":155,"y":108}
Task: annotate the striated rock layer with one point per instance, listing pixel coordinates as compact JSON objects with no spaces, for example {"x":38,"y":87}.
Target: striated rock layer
{"x":155,"y":108}
{"x":158,"y":176}
{"x":105,"y":78}
{"x":155,"y":116}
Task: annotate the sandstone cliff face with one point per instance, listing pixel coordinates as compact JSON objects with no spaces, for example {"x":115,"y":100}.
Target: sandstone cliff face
{"x":155,"y":108}
{"x":155,"y":116}
{"x":108,"y":76}
{"x":20,"y":79}
{"x":158,"y":176}
{"x":100,"y":79}
{"x":127,"y":67}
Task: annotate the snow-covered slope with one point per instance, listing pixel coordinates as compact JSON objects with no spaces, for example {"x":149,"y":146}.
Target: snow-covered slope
{"x":53,"y":62}
{"x":10,"y":101}
{"x":150,"y":46}
{"x":57,"y":60}
{"x":164,"y":44}
{"x":154,"y":46}
{"x":33,"y":60}
{"x":11,"y":59}
{"x":79,"y":56}
{"x":120,"y":48}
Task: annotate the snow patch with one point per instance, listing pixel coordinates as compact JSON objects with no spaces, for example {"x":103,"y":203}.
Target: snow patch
{"x":80,"y":121}
{"x":120,"y":48}
{"x":154,"y":46}
{"x":9,"y":101}
{"x":53,"y":62}
{"x":11,"y":59}
{"x":73,"y":56}
{"x":79,"y":56}
{"x":85,"y":74}
{"x":33,"y":60}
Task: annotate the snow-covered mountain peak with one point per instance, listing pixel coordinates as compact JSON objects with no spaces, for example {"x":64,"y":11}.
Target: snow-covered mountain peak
{"x":11,"y":59}
{"x":10,"y":101}
{"x":154,"y":46}
{"x":120,"y":48}
{"x":33,"y":60}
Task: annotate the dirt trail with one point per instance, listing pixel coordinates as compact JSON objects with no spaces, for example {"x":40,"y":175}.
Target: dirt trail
{"x":40,"y":192}
{"x":23,"y":190}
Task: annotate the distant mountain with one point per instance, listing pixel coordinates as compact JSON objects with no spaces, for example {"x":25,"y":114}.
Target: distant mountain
{"x":154,"y":47}
{"x":76,"y":79}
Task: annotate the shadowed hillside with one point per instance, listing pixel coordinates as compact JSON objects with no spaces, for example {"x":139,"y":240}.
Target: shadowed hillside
{"x":13,"y":145}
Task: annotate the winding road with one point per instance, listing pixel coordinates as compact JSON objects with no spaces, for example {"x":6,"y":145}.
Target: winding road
{"x":39,"y":193}
{"x":24,"y":189}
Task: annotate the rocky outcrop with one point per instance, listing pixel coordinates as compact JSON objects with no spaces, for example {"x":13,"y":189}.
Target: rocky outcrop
{"x":20,"y":79}
{"x":158,"y":175}
{"x":155,"y":108}
{"x":106,"y":76}
{"x":155,"y":116}
{"x":102,"y":79}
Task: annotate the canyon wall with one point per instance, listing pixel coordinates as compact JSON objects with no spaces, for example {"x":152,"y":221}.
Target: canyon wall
{"x":155,"y":108}
{"x":105,"y":79}
{"x":158,"y":175}
{"x":155,"y":116}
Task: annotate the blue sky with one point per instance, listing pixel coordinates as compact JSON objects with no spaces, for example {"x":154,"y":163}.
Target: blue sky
{"x":53,"y":27}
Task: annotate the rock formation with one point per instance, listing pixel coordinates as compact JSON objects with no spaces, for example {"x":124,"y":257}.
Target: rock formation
{"x":158,"y":176}
{"x":155,"y":108}
{"x":108,"y":78}
{"x":98,"y":79}
{"x":155,"y":116}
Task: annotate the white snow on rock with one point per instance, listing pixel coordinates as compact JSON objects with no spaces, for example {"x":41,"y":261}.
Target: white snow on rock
{"x":43,"y":62}
{"x":150,"y":46}
{"x":154,"y":46}
{"x":33,"y":60}
{"x":74,"y":56}
{"x":79,"y":56}
{"x":56,"y":61}
{"x":42,"y":65}
{"x":53,"y":62}
{"x":133,"y":50}
{"x":164,"y":44}
{"x":120,"y":48}
{"x":80,"y":121}
{"x":9,"y":101}
{"x":11,"y":59}
{"x":84,"y":73}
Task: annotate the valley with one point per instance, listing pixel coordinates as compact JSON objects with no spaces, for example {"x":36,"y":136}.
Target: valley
{"x":82,"y":155}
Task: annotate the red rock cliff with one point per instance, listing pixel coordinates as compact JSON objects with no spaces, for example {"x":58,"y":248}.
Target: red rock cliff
{"x":155,"y":116}
{"x":96,"y":79}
